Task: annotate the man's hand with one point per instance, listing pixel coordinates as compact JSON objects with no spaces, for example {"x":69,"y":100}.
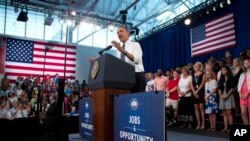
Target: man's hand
{"x":117,"y":45}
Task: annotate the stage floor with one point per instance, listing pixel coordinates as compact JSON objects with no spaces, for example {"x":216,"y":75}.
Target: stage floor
{"x":176,"y":134}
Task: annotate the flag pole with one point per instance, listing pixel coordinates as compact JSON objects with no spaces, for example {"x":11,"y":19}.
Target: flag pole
{"x":66,"y":46}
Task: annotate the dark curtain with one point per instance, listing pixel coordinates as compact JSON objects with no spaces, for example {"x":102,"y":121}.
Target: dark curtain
{"x":172,"y":47}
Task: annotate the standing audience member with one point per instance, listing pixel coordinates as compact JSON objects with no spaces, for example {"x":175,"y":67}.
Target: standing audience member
{"x":236,"y":70}
{"x":209,"y":67}
{"x":169,"y":74}
{"x":198,"y":95}
{"x":214,"y":64}
{"x":222,"y":64}
{"x":244,"y":93}
{"x":228,"y":58}
{"x":190,"y":68}
{"x":173,"y":95}
{"x":47,"y":80}
{"x":226,"y":103}
{"x":150,"y":83}
{"x":161,"y":81}
{"x":184,"y":90}
{"x":85,"y":92}
{"x":211,"y":99}
{"x":51,"y":114}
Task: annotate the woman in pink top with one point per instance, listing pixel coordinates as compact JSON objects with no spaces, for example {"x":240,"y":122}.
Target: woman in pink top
{"x":244,"y":93}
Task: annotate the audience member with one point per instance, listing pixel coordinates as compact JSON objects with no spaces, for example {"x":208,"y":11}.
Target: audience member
{"x":226,"y":103}
{"x":150,"y":83}
{"x":197,"y":86}
{"x":173,"y":95}
{"x":244,"y":95}
{"x":211,"y":99}
{"x":184,"y":90}
{"x":161,"y":81}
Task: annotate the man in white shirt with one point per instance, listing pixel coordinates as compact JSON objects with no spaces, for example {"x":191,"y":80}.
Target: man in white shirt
{"x":131,"y":53}
{"x":150,"y":84}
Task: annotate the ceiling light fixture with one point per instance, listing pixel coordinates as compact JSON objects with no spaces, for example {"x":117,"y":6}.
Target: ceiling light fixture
{"x":23,"y":16}
{"x":187,"y":21}
{"x":73,"y":13}
{"x":221,"y":4}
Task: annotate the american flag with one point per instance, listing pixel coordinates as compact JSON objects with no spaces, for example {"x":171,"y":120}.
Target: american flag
{"x":26,"y":58}
{"x":214,"y":35}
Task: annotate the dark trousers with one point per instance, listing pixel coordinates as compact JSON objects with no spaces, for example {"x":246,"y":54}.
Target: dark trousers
{"x":139,"y":83}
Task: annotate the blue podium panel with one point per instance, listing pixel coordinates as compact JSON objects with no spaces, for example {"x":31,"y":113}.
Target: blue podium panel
{"x":86,"y":119}
{"x":139,"y":117}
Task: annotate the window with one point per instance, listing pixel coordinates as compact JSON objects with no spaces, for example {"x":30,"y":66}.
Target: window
{"x":54,"y":31}
{"x":14,"y":27}
{"x":112,"y":35}
{"x":35,"y":25}
{"x":75,"y":34}
{"x":100,"y":39}
{"x":85,"y":33}
{"x":2,"y":16}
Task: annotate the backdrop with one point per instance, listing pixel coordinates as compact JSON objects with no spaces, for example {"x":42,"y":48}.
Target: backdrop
{"x":172,"y":47}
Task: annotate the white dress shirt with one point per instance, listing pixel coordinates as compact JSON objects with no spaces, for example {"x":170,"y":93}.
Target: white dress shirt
{"x":133,"y":48}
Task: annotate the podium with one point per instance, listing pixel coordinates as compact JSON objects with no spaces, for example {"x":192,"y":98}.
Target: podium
{"x":108,"y":76}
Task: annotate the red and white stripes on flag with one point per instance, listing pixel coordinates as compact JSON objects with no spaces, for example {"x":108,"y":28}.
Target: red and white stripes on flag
{"x":214,"y":35}
{"x":26,"y":58}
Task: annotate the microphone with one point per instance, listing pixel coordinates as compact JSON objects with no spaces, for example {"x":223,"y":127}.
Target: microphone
{"x":105,"y":49}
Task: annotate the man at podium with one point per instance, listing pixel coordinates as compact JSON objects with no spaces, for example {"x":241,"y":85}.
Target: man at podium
{"x":131,"y":53}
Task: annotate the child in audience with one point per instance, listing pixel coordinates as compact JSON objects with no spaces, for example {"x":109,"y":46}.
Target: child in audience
{"x":211,"y":99}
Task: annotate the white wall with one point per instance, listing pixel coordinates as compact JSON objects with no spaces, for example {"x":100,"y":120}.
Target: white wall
{"x":83,"y":53}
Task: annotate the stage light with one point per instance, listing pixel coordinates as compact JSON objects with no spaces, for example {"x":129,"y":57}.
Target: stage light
{"x":49,"y":20}
{"x":123,"y":14}
{"x":221,"y":4}
{"x":69,"y":22}
{"x":23,"y":16}
{"x":187,"y":21}
{"x":137,"y":31}
{"x":61,"y":21}
{"x":73,"y":13}
{"x":228,"y":2}
{"x":77,"y":23}
{"x":207,"y":11}
{"x":111,"y":28}
{"x":214,"y":8}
